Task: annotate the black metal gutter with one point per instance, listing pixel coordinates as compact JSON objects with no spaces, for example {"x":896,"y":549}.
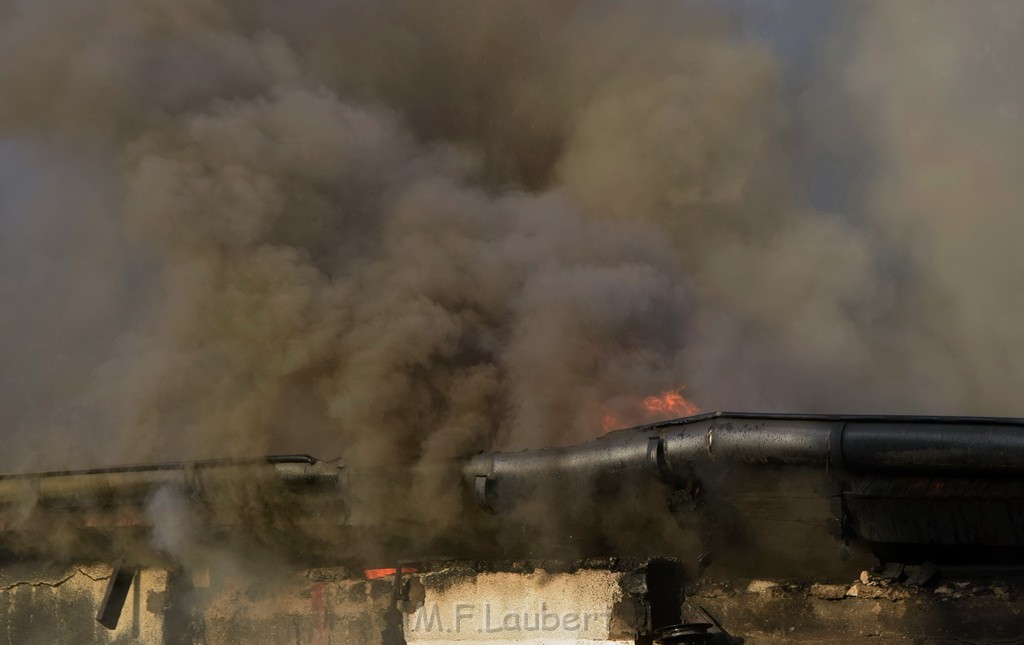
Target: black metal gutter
{"x":126,"y":482}
{"x":667,"y":451}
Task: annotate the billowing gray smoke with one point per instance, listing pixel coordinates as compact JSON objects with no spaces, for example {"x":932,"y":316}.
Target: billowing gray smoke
{"x":398,"y":232}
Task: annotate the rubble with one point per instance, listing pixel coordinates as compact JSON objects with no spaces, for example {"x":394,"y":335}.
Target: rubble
{"x":761,"y":586}
{"x":880,"y":611}
{"x":828,"y":591}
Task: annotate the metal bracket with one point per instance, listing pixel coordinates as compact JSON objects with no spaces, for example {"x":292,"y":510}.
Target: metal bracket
{"x":480,"y":487}
{"x":113,"y":600}
{"x":656,"y":458}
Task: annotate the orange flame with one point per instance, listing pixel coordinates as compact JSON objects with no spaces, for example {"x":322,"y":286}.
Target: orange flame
{"x":377,"y":574}
{"x":610,"y":422}
{"x":668,"y":404}
{"x":671,"y":402}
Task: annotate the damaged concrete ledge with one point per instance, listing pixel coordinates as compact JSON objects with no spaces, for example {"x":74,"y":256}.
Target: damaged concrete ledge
{"x":448,"y":604}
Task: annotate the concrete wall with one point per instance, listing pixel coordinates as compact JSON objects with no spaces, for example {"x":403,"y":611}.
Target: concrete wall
{"x":57,"y":604}
{"x":318,"y":607}
{"x":48,"y":604}
{"x":583,"y":608}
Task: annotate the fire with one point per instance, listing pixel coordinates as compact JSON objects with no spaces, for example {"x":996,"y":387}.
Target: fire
{"x":668,"y":404}
{"x":377,"y":574}
{"x":671,"y":403}
{"x":609,"y":422}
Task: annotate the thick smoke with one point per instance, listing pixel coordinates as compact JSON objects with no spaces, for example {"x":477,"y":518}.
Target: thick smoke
{"x":940,"y":89}
{"x":382,"y":231}
{"x":403,"y":232}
